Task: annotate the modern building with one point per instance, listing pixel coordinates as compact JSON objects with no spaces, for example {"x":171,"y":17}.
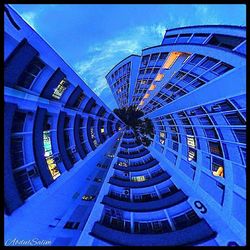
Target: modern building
{"x":75,"y":174}
{"x":59,"y":137}
{"x":121,"y":80}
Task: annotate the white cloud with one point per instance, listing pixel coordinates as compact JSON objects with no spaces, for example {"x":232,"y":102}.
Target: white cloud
{"x":30,"y":18}
{"x":102,"y":57}
{"x":206,"y":14}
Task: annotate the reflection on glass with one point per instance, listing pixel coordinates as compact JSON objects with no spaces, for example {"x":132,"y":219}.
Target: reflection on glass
{"x":49,"y":155}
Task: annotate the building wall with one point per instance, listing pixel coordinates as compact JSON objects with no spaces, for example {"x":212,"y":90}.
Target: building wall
{"x":73,"y":175}
{"x":56,"y":131}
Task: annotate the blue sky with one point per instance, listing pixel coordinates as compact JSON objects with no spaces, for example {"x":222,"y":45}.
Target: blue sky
{"x":92,"y":38}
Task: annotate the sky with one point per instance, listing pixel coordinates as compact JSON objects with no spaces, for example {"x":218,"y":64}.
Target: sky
{"x":92,"y":38}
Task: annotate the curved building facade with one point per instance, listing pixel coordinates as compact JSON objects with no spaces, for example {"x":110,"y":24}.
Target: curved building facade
{"x":75,"y":174}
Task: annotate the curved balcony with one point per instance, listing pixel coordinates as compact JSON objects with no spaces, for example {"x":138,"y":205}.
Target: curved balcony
{"x":89,"y":105}
{"x":73,"y":97}
{"x":61,"y":142}
{"x":12,"y":198}
{"x":117,"y":125}
{"x":129,"y":145}
{"x":77,"y":136}
{"x":90,"y":140}
{"x":39,"y":148}
{"x":153,"y":181}
{"x":147,"y":165}
{"x":101,"y":112}
{"x":133,"y":155}
{"x":111,"y":117}
{"x":102,"y":136}
{"x":163,"y":203}
{"x":128,"y":136}
{"x":52,"y":83}
{"x":191,"y":235}
{"x":18,"y":61}
{"x":109,"y":128}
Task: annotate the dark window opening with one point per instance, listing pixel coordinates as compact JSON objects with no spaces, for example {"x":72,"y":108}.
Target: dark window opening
{"x":31,"y":72}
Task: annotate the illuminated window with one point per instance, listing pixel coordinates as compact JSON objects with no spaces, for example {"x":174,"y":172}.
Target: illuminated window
{"x":171,"y":60}
{"x":146,"y":96}
{"x":122,"y":164}
{"x":138,"y":178}
{"x":191,"y":145}
{"x":110,"y":155}
{"x":162,"y":138}
{"x":152,"y":87}
{"x":92,"y":134}
{"x":102,"y":130}
{"x":191,"y":141}
{"x":217,"y":167}
{"x":88,"y":197}
{"x":191,"y":154}
{"x":141,"y":103}
{"x":59,"y":90}
{"x":162,"y":141}
{"x":159,"y":77}
{"x":49,"y":155}
{"x":162,"y":134}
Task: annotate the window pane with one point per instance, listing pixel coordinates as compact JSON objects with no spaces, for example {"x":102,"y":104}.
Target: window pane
{"x":234,"y":119}
{"x":222,"y":68}
{"x":211,"y":133}
{"x":215,"y":148}
{"x":241,"y":135}
{"x":196,"y":58}
{"x":208,"y":63}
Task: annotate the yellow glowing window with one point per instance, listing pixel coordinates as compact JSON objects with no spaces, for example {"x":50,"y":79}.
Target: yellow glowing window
{"x":49,"y":155}
{"x":141,"y":103}
{"x":138,"y":178}
{"x":159,"y":77}
{"x":88,"y":197}
{"x":171,"y":60}
{"x":52,"y":167}
{"x":191,"y":141}
{"x":102,"y":130}
{"x":146,"y":96}
{"x":219,"y":172}
{"x":152,"y":87}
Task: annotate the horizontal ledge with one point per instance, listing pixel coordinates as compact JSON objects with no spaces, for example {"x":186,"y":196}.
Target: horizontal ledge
{"x":158,"y":179}
{"x":191,"y":235}
{"x":163,"y":203}
{"x":139,"y":167}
